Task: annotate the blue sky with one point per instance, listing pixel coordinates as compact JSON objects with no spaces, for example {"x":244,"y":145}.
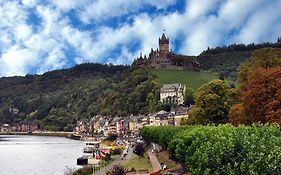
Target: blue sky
{"x":42,"y":35}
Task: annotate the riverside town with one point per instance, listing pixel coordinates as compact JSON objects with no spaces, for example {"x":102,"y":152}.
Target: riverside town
{"x":180,"y":87}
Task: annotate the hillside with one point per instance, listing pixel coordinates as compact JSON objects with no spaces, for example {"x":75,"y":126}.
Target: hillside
{"x":189,"y":78}
{"x":57,"y":99}
{"x":223,"y":63}
{"x":225,"y":60}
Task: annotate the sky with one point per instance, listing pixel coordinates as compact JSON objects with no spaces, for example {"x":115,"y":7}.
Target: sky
{"x":43,"y":35}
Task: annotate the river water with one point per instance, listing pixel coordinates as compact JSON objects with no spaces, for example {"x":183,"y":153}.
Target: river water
{"x":38,"y":155}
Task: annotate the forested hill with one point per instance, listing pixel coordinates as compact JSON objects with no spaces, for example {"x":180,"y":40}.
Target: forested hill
{"x":225,"y":60}
{"x":57,"y":98}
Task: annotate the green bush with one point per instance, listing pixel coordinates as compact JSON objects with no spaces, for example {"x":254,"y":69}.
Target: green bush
{"x":223,"y":149}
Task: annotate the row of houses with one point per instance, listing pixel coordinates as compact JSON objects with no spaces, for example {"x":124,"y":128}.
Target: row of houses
{"x":20,"y":127}
{"x":130,"y":125}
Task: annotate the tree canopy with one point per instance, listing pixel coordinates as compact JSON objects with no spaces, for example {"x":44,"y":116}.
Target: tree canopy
{"x":264,"y":58}
{"x":212,"y":103}
{"x":260,"y":98}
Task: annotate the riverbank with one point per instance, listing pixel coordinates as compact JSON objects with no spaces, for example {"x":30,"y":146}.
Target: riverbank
{"x":48,"y":133}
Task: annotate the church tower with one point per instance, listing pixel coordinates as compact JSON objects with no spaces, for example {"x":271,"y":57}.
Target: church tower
{"x":164,"y":44}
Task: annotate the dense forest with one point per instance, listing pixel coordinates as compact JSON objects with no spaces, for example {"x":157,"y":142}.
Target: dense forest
{"x":56,"y":99}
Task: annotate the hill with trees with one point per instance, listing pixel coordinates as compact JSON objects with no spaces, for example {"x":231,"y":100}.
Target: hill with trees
{"x":225,"y":60}
{"x":57,"y":99}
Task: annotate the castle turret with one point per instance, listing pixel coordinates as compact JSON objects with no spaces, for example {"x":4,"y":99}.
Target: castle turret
{"x":279,"y":40}
{"x":164,"y":44}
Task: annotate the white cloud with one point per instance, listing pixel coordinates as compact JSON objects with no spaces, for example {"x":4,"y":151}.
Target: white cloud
{"x":66,"y":5}
{"x":14,"y":61}
{"x":29,"y":3}
{"x":23,"y":31}
{"x":261,"y":25}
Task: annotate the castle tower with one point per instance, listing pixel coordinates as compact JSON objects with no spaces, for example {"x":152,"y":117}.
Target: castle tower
{"x":164,"y":44}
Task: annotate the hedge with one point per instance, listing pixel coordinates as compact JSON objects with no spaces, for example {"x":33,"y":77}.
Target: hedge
{"x":223,"y":149}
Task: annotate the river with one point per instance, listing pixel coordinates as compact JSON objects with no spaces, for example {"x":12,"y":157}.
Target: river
{"x":38,"y":155}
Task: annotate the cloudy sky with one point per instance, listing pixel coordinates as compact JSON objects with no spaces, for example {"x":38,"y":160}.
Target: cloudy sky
{"x":41,"y":35}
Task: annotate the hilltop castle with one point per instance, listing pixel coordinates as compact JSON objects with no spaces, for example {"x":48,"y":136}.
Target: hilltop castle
{"x":164,"y":58}
{"x":159,"y":58}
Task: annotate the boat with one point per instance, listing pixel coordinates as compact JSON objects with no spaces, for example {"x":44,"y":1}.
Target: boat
{"x":82,"y":160}
{"x":76,"y":136}
{"x":91,"y":146}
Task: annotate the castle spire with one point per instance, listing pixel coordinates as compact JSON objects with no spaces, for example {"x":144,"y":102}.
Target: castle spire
{"x":164,"y":44}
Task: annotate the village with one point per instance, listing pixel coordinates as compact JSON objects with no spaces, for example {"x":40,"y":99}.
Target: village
{"x":129,"y":126}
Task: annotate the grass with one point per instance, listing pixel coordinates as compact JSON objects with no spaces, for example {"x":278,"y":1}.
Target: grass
{"x":137,"y":163}
{"x":189,"y":78}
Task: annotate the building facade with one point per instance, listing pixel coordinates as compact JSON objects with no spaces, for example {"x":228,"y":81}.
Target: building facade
{"x":172,"y":93}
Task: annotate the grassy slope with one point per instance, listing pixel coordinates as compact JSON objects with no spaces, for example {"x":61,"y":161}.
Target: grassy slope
{"x":189,"y":78}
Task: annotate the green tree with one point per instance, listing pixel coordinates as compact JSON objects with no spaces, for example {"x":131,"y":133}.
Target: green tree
{"x":139,"y":149}
{"x":212,"y":103}
{"x":189,"y":97}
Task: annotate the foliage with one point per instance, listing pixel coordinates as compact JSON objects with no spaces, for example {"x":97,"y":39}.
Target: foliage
{"x":135,"y":94}
{"x":260,"y":94}
{"x":189,"y":97}
{"x":116,"y":170}
{"x":264,"y":58}
{"x":213,"y":102}
{"x":163,"y":136}
{"x":260,"y":98}
{"x":241,"y":47}
{"x":57,"y":99}
{"x":225,"y":149}
{"x":139,"y":149}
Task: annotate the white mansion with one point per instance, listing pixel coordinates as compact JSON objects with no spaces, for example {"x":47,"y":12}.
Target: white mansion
{"x":172,"y":93}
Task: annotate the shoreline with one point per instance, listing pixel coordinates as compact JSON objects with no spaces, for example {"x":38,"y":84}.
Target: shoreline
{"x":55,"y":134}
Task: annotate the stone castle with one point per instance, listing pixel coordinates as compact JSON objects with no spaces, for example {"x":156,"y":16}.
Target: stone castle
{"x":162,"y":57}
{"x":159,"y":58}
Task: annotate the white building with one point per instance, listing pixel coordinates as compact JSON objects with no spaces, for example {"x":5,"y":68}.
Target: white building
{"x":172,"y":93}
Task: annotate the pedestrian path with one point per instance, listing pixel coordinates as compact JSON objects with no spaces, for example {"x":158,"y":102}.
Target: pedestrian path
{"x":154,"y":161}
